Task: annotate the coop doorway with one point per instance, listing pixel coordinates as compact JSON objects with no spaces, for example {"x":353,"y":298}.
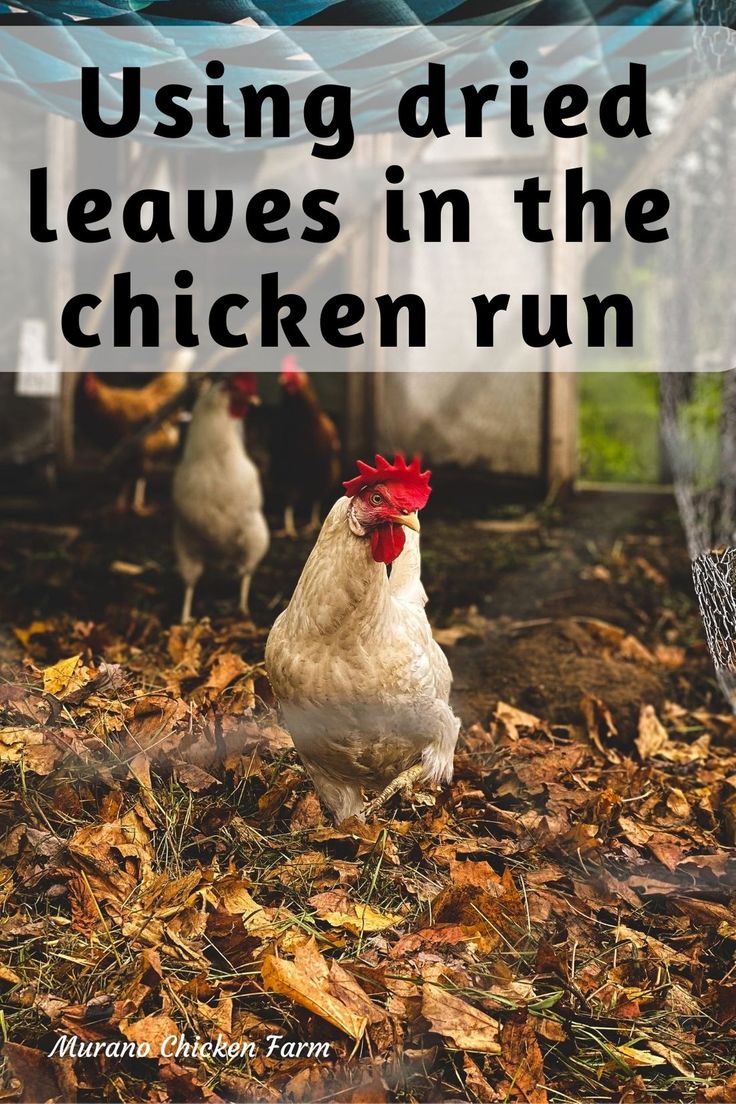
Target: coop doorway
{"x":619,"y":438}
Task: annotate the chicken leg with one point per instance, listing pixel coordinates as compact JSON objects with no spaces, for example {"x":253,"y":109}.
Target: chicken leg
{"x":314,"y":523}
{"x":139,"y":496}
{"x":404,"y":781}
{"x":289,"y":529}
{"x":139,"y":506}
{"x":244,"y":592}
{"x":186,"y":609}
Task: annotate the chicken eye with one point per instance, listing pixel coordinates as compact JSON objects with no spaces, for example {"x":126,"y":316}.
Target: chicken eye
{"x":376,"y":499}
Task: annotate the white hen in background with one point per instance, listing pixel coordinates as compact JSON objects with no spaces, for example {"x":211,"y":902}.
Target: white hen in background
{"x":363,"y":687}
{"x":218,"y":515}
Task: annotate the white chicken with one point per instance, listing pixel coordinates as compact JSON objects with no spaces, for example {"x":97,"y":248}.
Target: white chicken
{"x":218,"y":515}
{"x":363,"y":687}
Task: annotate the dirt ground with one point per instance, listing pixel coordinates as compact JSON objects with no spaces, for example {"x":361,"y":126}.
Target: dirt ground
{"x":515,"y":594}
{"x":558,"y":924}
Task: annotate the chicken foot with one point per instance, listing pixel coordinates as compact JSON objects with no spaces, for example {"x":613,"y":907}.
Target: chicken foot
{"x":139,"y":506}
{"x":289,"y":529}
{"x":315,"y":521}
{"x":404,"y":781}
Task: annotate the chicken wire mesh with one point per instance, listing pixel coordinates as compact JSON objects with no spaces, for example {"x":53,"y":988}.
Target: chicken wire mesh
{"x":698,"y":408}
{"x":699,"y":422}
{"x":377,"y":12}
{"x":714,"y":575}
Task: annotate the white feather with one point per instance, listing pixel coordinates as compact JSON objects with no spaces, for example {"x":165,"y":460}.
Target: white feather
{"x":363,"y":687}
{"x":217,"y":494}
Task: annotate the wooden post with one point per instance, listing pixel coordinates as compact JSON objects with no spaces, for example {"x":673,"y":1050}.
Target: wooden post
{"x":360,"y":399}
{"x":560,"y":408}
{"x":62,"y":146}
{"x":381,"y":153}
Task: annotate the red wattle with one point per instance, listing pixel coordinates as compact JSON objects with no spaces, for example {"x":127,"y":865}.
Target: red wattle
{"x":386,"y":542}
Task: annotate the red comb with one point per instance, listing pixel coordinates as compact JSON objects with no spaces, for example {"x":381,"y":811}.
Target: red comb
{"x":410,"y":476}
{"x":290,"y":366}
{"x":243,"y":383}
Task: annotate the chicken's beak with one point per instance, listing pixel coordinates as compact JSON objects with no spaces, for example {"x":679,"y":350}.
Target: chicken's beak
{"x":411,"y":521}
{"x":254,"y":400}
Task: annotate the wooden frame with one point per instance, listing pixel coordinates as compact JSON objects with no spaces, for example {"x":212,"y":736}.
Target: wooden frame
{"x":62,"y":148}
{"x":559,"y":459}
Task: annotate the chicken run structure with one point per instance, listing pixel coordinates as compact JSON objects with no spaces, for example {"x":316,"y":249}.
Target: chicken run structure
{"x":366,"y":747}
{"x":363,"y":402}
{"x":519,"y":423}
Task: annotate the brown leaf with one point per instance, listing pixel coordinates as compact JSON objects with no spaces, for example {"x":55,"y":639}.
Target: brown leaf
{"x":185,"y":647}
{"x":681,"y":1002}
{"x":476,"y":909}
{"x":479,"y":874}
{"x":227,"y":667}
{"x":8,"y":976}
{"x":66,"y":676}
{"x":367,"y":1092}
{"x":307,"y":814}
{"x":154,"y":1030}
{"x":184,"y":1084}
{"x":118,"y":856}
{"x":650,"y":572}
{"x":194,"y":778}
{"x":674,"y":1058}
{"x":360,"y":838}
{"x":512,"y":719}
{"x":667,"y":849}
{"x":325,"y":989}
{"x":723,"y":1093}
{"x":678,"y":804}
{"x":280,"y":794}
{"x":338,"y":910}
{"x":651,"y":945}
{"x":29,"y":746}
{"x":85,"y":915}
{"x":475,"y":1083}
{"x":152,"y":722}
{"x":43,"y":1079}
{"x":652,"y":733}
{"x":600,"y":726}
{"x":633,"y":649}
{"x":551,"y":1030}
{"x":465,"y":1026}
{"x":670,"y":655}
{"x":521,"y":1060}
{"x":445,"y":935}
{"x":246,"y":1090}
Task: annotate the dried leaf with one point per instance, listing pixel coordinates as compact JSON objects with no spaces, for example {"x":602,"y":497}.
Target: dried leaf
{"x":465,"y":1026}
{"x":521,"y":1060}
{"x":66,"y":676}
{"x":475,"y":1083}
{"x":600,"y":726}
{"x":29,"y":746}
{"x":42,"y":1078}
{"x":336,"y":908}
{"x":675,"y":1060}
{"x":154,"y":1030}
{"x":325,"y":989}
{"x":512,"y":719}
{"x":636,"y":1057}
{"x":652,"y":733}
{"x":194,"y":778}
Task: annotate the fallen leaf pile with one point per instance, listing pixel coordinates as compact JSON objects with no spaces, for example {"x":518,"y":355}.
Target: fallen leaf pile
{"x":557,"y":924}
